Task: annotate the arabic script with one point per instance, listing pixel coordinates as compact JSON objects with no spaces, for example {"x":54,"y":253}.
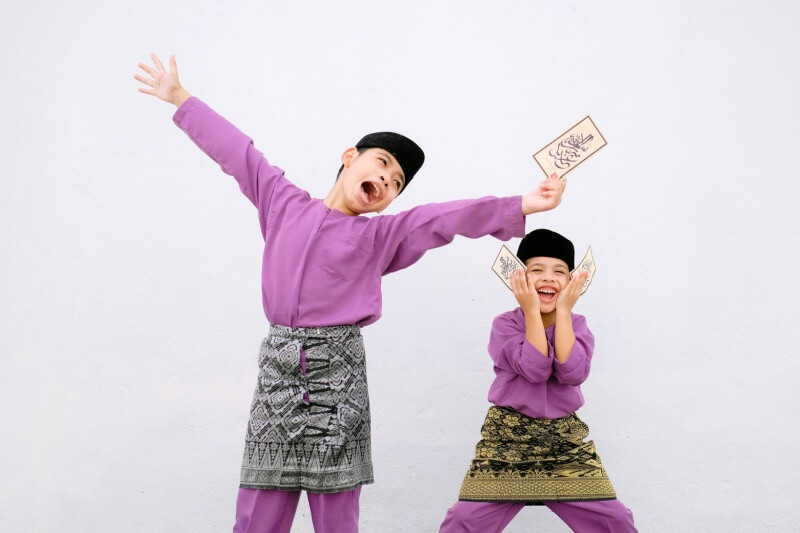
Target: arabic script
{"x":507,"y":266}
{"x":570,"y":149}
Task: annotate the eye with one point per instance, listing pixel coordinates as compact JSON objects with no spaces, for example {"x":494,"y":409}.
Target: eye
{"x":397,"y":184}
{"x":537,"y":270}
{"x":382,"y":160}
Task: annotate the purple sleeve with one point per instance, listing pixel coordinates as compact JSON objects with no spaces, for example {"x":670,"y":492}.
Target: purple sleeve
{"x":576,"y":369}
{"x":512,"y":352}
{"x":232,"y":150}
{"x":408,"y":235}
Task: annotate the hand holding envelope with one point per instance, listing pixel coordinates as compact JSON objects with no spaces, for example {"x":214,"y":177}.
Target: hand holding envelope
{"x":587,"y":264}
{"x":505,"y":264}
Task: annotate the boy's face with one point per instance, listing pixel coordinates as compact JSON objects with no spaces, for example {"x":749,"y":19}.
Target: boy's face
{"x":550,"y":276}
{"x":370,"y":180}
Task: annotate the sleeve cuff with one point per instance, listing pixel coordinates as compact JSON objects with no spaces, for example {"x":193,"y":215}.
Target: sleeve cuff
{"x":516,"y":220}
{"x":538,"y":359}
{"x":184,"y":109}
{"x":573,"y":366}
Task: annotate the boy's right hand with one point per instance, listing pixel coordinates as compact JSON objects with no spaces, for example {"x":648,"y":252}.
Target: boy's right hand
{"x":162,"y":84}
{"x":544,"y":197}
{"x":525,"y":292}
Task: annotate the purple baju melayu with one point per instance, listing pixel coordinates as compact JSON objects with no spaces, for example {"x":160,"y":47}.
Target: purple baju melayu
{"x":323,"y":268}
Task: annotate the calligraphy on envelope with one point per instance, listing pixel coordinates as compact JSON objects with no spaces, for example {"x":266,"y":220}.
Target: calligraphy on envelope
{"x":505,"y":264}
{"x":570,"y":149}
{"x":588,"y":264}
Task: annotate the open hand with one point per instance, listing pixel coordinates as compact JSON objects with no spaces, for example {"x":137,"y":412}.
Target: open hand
{"x":524,"y":291}
{"x":568,"y":296}
{"x":160,"y":83}
{"x":544,"y":197}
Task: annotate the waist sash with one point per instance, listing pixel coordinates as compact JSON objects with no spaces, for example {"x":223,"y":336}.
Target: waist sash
{"x":533,"y":460}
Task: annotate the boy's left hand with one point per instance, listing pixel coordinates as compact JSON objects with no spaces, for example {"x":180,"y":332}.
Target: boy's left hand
{"x":545,"y":197}
{"x":162,"y":83}
{"x":568,"y":297}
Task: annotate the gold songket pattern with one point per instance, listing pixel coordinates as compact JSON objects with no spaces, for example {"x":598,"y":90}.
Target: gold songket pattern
{"x":535,"y":460}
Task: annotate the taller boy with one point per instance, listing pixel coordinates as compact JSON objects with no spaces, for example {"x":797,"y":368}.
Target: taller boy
{"x":309,"y":426}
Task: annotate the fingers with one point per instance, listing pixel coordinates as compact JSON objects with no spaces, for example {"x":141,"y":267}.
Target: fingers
{"x":517,"y":280}
{"x":156,"y":80}
{"x":555,"y":183}
{"x":146,"y":81}
{"x":142,"y":79}
{"x":579,"y":276}
{"x":552,"y":189}
{"x":568,"y":297}
{"x":148,"y":69}
{"x":524,"y":293}
{"x":552,"y":186}
{"x":157,"y":63}
{"x":576,"y":283}
{"x":584,"y":276}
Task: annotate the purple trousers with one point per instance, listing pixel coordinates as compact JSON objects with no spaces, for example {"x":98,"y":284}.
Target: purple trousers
{"x":272,"y":511}
{"x":605,"y":516}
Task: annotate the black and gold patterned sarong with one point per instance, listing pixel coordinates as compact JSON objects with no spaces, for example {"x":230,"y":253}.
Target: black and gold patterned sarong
{"x":309,"y":431}
{"x":534,"y":460}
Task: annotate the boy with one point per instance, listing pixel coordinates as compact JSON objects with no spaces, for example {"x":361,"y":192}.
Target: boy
{"x":532,"y":449}
{"x":309,"y":426}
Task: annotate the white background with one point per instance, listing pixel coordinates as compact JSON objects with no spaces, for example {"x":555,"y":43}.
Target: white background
{"x":130,"y":265}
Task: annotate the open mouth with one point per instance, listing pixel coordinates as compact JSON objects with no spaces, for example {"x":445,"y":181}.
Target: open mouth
{"x":372,"y":192}
{"x":547,"y":294}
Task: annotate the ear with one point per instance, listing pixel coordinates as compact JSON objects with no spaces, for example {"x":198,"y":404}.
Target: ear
{"x":349,"y":155}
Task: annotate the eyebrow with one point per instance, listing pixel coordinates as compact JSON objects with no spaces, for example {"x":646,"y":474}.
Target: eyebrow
{"x":543,"y":265}
{"x":398,"y":174}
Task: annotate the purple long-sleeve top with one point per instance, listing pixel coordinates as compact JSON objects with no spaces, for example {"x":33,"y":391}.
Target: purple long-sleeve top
{"x":322,"y":267}
{"x":531,"y":382}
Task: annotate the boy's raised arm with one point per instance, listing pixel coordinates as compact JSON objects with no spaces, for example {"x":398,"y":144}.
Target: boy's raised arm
{"x":422,"y":228}
{"x":218,"y":138}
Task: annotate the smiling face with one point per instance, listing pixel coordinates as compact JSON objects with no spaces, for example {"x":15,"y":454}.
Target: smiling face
{"x":550,"y":276}
{"x":368,"y":182}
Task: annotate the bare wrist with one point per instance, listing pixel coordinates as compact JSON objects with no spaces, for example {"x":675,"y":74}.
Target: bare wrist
{"x":564,"y":313}
{"x":180,"y":96}
{"x":528,"y":209}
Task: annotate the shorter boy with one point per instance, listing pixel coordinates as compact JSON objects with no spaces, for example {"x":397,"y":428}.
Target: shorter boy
{"x":532,"y":449}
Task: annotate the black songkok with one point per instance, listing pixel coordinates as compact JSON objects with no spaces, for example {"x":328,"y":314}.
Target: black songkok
{"x":546,"y":243}
{"x":408,"y":154}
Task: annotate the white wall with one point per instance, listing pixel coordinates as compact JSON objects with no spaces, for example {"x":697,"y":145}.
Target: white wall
{"x":129,"y":264}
